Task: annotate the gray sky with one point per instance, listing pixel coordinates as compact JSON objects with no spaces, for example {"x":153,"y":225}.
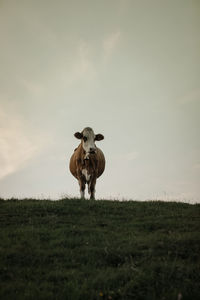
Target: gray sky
{"x":128,"y":69}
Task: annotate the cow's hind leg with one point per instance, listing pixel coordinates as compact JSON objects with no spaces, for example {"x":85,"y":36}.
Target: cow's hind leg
{"x":82,"y":187}
{"x":92,"y":189}
{"x":89,"y":183}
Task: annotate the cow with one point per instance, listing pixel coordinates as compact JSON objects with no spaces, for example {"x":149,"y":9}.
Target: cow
{"x":87,"y":162}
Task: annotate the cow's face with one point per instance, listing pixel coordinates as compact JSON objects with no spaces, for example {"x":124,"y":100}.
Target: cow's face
{"x":88,"y":139}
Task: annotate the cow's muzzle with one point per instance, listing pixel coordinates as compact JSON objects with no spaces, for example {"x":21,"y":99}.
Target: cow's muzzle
{"x":92,"y":150}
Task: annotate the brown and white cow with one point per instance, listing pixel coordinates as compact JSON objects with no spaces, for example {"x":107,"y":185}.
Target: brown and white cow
{"x":87,"y":162}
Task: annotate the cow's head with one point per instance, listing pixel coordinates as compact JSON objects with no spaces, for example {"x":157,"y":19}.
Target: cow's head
{"x":88,"y":139}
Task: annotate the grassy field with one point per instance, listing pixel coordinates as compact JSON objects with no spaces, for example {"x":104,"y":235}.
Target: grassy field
{"x":79,"y":249}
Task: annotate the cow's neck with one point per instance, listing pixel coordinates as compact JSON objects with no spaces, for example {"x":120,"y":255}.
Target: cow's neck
{"x":86,"y":161}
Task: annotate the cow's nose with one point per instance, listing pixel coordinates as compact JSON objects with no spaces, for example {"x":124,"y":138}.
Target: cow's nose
{"x":92,"y":150}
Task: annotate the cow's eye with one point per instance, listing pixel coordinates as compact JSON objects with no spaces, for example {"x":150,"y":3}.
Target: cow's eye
{"x":85,"y":138}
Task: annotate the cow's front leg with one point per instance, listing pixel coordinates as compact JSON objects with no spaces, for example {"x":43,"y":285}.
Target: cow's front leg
{"x":81,"y":182}
{"x":92,"y":188}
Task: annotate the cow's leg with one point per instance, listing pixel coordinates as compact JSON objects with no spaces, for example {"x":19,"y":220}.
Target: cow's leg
{"x":81,"y":182}
{"x":92,"y":188}
{"x":89,"y":188}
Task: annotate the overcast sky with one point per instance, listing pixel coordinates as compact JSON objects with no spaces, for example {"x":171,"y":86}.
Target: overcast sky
{"x":130,"y":69}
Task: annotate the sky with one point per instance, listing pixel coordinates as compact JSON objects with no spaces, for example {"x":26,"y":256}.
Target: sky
{"x":130,"y":69}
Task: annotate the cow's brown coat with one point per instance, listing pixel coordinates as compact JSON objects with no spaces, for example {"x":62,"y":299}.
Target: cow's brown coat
{"x":95,"y":165}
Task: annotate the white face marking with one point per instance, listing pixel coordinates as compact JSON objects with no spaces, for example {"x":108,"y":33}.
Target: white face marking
{"x":87,"y":176}
{"x":88,"y":140}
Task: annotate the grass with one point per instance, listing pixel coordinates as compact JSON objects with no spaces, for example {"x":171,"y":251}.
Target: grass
{"x":76,"y":249}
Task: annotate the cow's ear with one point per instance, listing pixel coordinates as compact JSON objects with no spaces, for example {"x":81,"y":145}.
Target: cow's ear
{"x":99,"y":137}
{"x":78,"y":135}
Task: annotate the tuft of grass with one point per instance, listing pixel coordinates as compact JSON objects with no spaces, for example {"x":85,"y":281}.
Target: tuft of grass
{"x":76,"y":249}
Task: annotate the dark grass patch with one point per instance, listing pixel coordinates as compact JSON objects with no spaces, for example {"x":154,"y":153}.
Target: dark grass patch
{"x":75,"y":249}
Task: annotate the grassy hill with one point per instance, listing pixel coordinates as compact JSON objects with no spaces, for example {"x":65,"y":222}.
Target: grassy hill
{"x":76,"y":249}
